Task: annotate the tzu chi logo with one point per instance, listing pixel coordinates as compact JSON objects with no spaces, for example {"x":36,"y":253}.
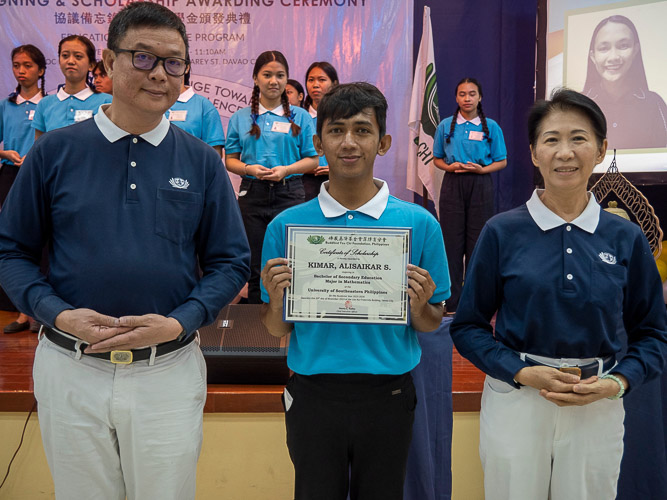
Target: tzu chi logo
{"x":179,"y":183}
{"x":348,"y":304}
{"x":607,"y":257}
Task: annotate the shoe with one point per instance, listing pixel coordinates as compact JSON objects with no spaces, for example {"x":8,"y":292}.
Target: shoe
{"x":35,"y":326}
{"x":15,"y":327}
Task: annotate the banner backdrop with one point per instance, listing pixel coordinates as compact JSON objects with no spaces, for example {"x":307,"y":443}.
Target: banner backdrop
{"x":365,"y":40}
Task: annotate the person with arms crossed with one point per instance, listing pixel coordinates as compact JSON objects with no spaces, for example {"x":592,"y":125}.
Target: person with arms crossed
{"x":350,"y":403}
{"x":130,"y":207}
{"x":561,"y":275}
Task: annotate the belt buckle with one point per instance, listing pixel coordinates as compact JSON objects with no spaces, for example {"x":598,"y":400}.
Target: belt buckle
{"x":121,"y":357}
{"x":574,"y":370}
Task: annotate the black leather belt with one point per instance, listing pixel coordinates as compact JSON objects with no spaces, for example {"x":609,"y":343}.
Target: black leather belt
{"x":119,"y":357}
{"x":587,"y":370}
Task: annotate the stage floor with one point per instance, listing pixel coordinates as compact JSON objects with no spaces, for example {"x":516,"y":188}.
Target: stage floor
{"x":16,"y":391}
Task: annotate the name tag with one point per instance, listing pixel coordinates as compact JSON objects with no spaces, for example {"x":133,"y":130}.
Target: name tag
{"x":282,"y":127}
{"x":82,"y":114}
{"x":178,"y":115}
{"x":31,"y":114}
{"x":475,"y":135}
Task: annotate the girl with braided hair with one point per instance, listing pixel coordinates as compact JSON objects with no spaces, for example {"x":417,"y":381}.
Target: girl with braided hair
{"x":269,"y":144}
{"x":77,"y":100}
{"x":468,"y":147}
{"x":16,"y":134}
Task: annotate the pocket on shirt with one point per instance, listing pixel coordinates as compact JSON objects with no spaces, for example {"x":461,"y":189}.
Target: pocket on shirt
{"x":177,"y":214}
{"x":607,"y":283}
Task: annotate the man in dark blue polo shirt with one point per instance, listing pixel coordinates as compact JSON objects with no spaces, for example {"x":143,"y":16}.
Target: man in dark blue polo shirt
{"x":130,"y":207}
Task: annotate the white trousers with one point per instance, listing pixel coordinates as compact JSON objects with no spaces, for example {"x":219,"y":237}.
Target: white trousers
{"x":112,"y":430}
{"x":532,"y":449}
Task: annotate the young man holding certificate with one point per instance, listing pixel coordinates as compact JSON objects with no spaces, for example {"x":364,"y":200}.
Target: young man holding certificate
{"x":350,"y":403}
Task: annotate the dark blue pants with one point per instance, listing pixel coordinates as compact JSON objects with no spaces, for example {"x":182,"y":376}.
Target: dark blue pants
{"x":466,"y":203}
{"x":312,"y":183}
{"x":260,"y":202}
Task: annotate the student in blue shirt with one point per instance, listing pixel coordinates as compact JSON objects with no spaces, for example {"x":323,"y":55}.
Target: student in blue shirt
{"x":16,"y":134}
{"x":197,"y":115}
{"x":270,"y":144}
{"x":320,"y":78}
{"x":77,"y":100}
{"x":468,"y":147}
{"x":563,"y":276}
{"x":349,"y":407}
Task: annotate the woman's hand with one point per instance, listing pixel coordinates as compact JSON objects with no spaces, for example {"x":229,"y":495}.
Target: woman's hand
{"x":257,"y":170}
{"x":275,"y":174}
{"x":322,"y":170}
{"x":12,"y":156}
{"x":587,"y":391}
{"x":474,"y":168}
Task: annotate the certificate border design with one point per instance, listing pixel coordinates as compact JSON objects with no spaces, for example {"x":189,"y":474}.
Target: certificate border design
{"x":401,"y":317}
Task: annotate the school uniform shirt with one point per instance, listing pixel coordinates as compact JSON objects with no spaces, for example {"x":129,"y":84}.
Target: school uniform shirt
{"x":129,"y":219}
{"x":561,"y":290}
{"x":196,"y":115}
{"x":63,"y":109}
{"x":637,"y":119}
{"x":276,"y":145}
{"x":468,"y":142}
{"x":16,"y":132}
{"x":361,"y":348}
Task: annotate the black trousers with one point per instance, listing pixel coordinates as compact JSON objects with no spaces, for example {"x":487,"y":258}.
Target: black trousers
{"x":349,"y":433}
{"x":260,"y":202}
{"x":466,"y":203}
{"x":312,"y":183}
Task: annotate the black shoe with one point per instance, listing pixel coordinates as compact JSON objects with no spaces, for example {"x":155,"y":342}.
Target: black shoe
{"x":15,"y":327}
{"x":35,"y":326}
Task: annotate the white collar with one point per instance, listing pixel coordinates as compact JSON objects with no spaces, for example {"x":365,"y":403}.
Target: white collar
{"x":373,"y":207}
{"x":312,"y":111}
{"x":34,"y":99}
{"x":546,"y":219}
{"x":81,"y":95}
{"x":276,"y":111}
{"x":186,"y":95}
{"x":113,"y":132}
{"x":460,"y":120}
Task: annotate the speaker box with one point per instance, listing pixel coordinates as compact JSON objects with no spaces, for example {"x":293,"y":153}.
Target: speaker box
{"x":239,"y":350}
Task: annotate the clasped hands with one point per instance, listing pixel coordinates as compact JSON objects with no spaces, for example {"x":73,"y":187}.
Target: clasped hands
{"x":107,"y":333}
{"x":469,"y":167}
{"x":566,"y":389}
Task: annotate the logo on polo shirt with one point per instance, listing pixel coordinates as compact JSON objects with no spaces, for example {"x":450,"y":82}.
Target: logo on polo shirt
{"x":179,"y":183}
{"x":607,"y":257}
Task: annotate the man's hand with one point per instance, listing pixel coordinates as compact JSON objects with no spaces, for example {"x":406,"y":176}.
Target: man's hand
{"x":424,"y":317}
{"x":546,"y":378}
{"x":276,"y":276}
{"x":140,"y":331}
{"x":88,"y":325}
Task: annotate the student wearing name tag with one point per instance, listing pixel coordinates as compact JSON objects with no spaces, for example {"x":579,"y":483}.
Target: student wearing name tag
{"x":196,"y":115}
{"x":269,"y":144}
{"x":468,"y":147}
{"x":16,"y":134}
{"x":77,"y":100}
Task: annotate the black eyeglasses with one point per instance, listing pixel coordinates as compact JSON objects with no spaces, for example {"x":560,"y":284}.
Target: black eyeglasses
{"x":146,"y":61}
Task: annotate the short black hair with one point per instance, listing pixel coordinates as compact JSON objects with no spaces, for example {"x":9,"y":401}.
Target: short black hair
{"x":348,"y":99}
{"x":564,"y":99}
{"x":144,"y":15}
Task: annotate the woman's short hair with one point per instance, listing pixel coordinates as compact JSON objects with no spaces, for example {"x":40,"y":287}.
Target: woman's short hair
{"x":564,"y":99}
{"x":636,"y":73}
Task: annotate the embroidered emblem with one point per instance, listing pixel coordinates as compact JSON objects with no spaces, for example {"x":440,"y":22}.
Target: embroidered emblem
{"x":179,"y":183}
{"x":607,"y":257}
